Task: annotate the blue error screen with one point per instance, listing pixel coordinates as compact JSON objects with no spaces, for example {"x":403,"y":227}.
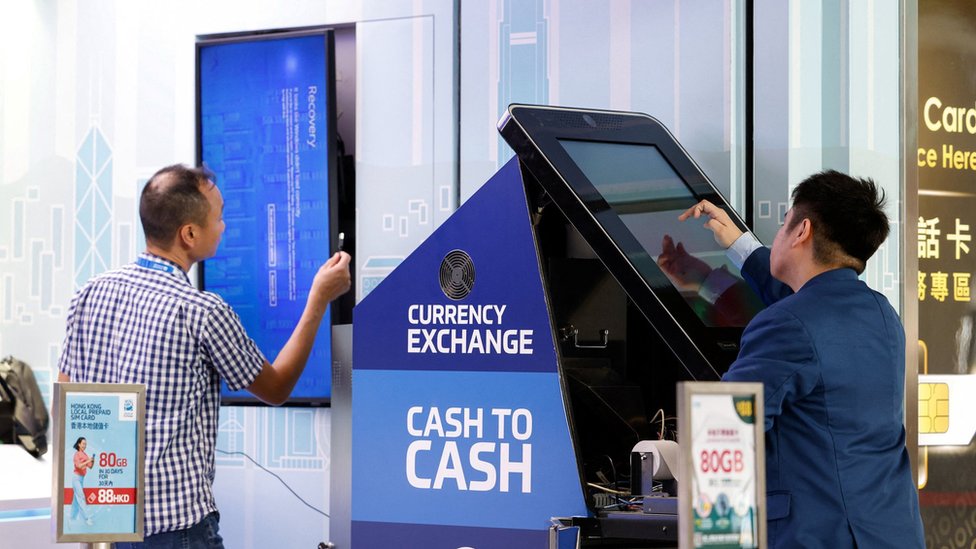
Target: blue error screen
{"x":263,"y":132}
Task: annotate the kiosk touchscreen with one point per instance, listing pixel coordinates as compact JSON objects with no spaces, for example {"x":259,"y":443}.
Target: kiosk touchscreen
{"x":621,"y":179}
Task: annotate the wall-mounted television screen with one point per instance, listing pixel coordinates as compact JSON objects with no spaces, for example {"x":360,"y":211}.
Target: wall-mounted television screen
{"x":266,"y":128}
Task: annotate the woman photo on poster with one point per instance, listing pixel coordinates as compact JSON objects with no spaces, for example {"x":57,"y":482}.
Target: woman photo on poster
{"x":82,"y":463}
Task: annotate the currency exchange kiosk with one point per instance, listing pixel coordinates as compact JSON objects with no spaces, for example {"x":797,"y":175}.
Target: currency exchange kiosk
{"x":503,"y":373}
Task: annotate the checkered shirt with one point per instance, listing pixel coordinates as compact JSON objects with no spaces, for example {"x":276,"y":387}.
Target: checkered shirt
{"x":140,"y":325}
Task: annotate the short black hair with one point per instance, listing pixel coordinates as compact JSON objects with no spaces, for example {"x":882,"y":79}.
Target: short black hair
{"x":847,"y":213}
{"x":78,"y":442}
{"x":171,"y":199}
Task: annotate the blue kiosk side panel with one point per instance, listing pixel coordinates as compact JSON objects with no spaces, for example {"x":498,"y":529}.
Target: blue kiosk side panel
{"x":460,"y":433}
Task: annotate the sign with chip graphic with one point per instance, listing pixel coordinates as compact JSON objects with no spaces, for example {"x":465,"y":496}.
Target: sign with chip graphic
{"x":946,"y":417}
{"x":933,"y":408}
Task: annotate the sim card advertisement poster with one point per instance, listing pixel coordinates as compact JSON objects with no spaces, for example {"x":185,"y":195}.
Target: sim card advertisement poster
{"x":266,"y":133}
{"x":100,"y":474}
{"x":460,"y":436}
{"x":946,"y":163}
{"x":725,"y":494}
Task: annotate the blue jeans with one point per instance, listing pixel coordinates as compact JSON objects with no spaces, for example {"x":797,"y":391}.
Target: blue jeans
{"x":202,"y":535}
{"x":79,"y":509}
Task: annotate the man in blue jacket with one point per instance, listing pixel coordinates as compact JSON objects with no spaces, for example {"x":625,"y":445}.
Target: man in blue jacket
{"x":830,"y":353}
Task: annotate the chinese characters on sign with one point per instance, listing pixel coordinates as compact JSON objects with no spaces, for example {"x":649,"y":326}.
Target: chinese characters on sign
{"x":98,"y":487}
{"x":723,"y":471}
{"x":937,"y":284}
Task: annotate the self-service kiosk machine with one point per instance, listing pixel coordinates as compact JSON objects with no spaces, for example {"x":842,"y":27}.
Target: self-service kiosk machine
{"x":516,"y":374}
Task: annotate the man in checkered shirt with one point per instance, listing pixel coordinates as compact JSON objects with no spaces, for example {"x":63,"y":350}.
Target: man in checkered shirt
{"x":146,"y":323}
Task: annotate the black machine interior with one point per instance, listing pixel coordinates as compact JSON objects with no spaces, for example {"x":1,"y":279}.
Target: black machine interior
{"x":619,"y":373}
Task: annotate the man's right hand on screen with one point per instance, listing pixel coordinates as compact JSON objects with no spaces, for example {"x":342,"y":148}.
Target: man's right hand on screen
{"x":718,"y":222}
{"x":331,"y":280}
{"x":275,"y":382}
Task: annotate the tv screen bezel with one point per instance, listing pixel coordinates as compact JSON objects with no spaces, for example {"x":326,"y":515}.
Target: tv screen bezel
{"x":328,"y":37}
{"x":535,"y":132}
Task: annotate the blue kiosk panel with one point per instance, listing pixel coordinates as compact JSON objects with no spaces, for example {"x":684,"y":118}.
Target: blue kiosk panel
{"x":460,"y":428}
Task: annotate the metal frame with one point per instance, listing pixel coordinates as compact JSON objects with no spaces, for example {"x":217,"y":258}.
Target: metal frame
{"x":561,"y":529}
{"x":686,"y":390}
{"x":908,"y":23}
{"x":61,"y":391}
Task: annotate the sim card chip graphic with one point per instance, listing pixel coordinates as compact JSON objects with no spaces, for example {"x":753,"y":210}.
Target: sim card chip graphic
{"x":933,"y":408}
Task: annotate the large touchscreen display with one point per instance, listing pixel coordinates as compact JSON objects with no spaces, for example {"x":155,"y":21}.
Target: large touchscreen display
{"x":647,"y":195}
{"x":263,"y":122}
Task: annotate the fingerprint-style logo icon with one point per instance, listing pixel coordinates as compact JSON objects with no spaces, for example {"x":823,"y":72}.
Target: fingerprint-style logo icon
{"x":457,"y":274}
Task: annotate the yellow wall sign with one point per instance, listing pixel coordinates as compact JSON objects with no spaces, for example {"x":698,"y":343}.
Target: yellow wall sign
{"x":933,"y":407}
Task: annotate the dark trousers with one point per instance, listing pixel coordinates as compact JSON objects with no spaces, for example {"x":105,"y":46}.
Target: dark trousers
{"x":202,"y":535}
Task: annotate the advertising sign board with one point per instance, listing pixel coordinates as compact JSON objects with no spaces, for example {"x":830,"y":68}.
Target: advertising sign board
{"x":99,"y":451}
{"x":723,"y":459}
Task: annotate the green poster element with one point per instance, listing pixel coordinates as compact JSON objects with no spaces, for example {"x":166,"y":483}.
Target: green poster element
{"x":745,"y":407}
